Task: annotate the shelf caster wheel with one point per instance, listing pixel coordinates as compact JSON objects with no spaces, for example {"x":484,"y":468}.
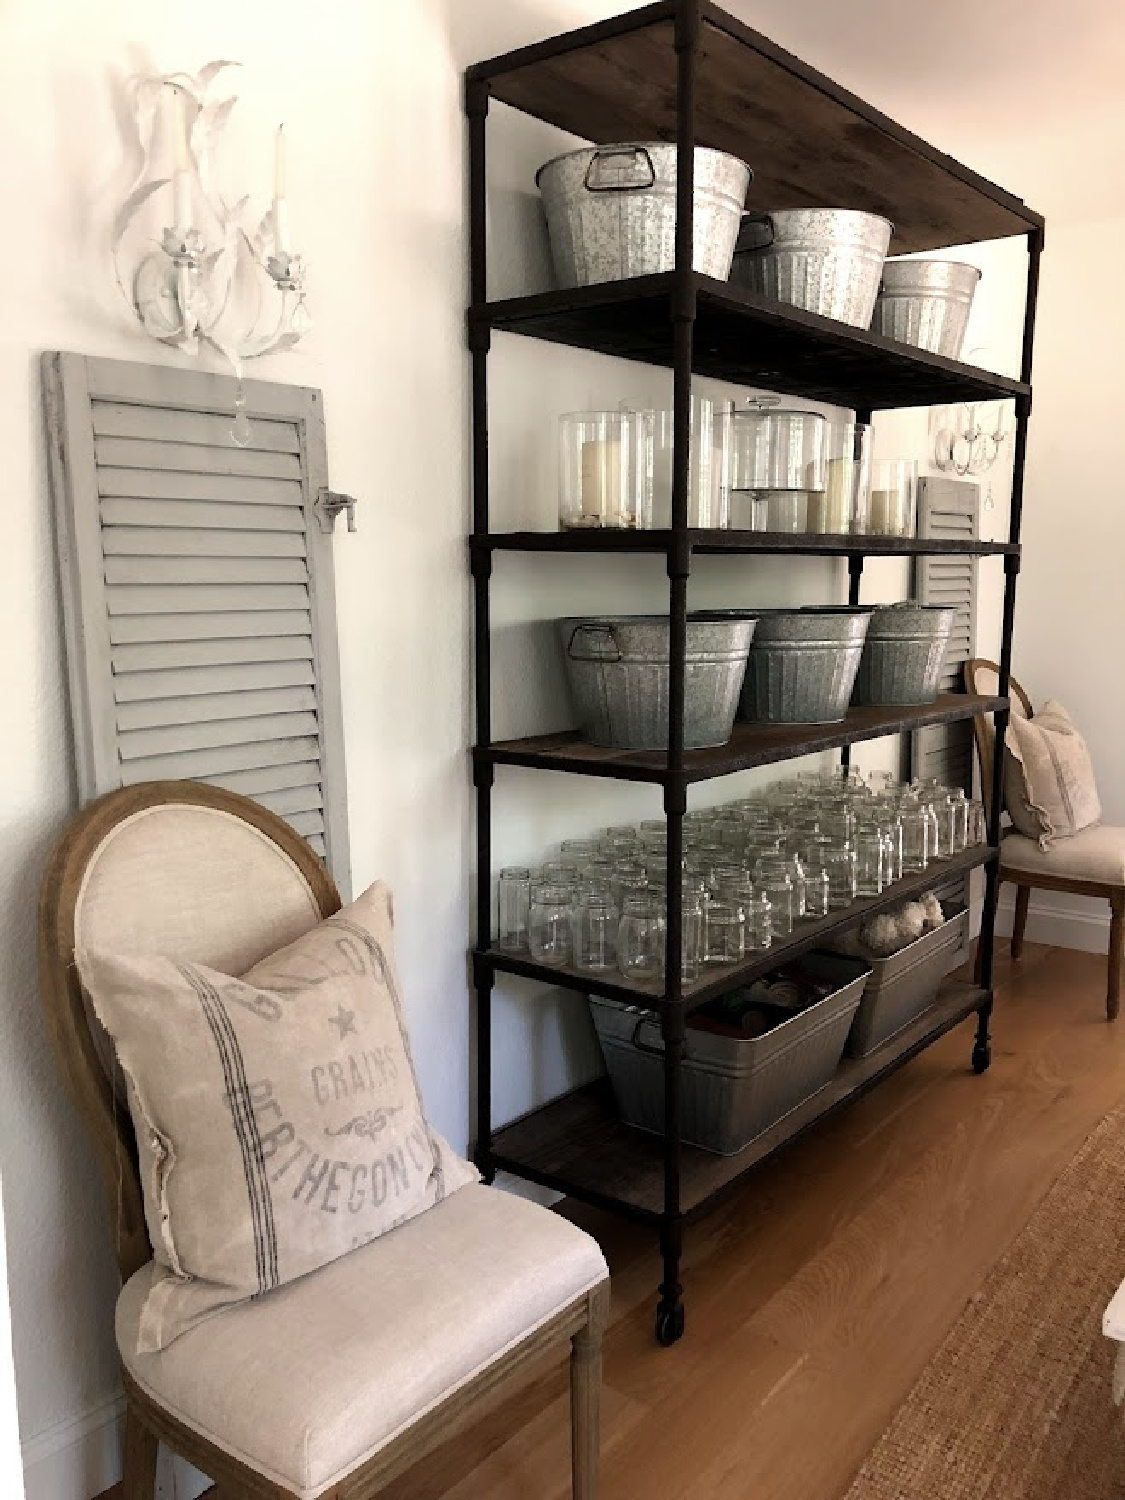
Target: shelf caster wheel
{"x":982,"y":1057}
{"x":669,"y":1324}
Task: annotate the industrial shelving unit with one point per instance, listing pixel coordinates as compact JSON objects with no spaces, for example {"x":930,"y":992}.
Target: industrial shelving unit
{"x":684,"y":70}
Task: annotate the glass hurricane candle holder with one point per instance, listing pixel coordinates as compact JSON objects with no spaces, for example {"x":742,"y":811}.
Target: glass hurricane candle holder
{"x":601,"y":470}
{"x":894,"y":491}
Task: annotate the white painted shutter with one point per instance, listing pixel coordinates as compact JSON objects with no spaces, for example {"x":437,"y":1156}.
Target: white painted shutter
{"x":198,"y":588}
{"x":949,"y":508}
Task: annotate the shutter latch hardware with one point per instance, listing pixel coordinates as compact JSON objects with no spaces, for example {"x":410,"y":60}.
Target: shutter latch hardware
{"x":329,"y":504}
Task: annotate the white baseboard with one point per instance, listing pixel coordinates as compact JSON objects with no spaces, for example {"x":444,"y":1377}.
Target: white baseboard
{"x":1058,"y":919}
{"x":80,"y":1458}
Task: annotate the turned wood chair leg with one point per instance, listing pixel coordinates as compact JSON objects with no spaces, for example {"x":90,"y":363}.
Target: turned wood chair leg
{"x":141,"y":1447}
{"x":1019,"y":921}
{"x":585,"y":1397}
{"x":1116,"y":951}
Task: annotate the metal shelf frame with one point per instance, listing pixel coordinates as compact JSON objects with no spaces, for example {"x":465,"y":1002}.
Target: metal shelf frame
{"x":664,"y":71}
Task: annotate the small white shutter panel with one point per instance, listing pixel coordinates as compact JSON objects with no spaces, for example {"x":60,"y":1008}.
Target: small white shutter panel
{"x":198,"y":588}
{"x":949,"y":508}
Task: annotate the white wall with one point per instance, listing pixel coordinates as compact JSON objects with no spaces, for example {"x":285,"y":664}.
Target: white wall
{"x":370,"y":94}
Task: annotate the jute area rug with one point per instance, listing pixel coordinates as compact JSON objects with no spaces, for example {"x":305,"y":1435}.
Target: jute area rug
{"x":1016,"y":1405}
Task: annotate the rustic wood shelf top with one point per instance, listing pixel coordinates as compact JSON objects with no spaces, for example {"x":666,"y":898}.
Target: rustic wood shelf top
{"x":577,"y":1144}
{"x":750,"y":339}
{"x":808,"y":933}
{"x":809,"y":141}
{"x":709,"y":540}
{"x":750,"y":745}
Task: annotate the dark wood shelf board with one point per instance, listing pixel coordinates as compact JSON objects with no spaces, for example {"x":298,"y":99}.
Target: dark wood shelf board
{"x":809,"y":141}
{"x":577,"y":1144}
{"x":777,"y":543}
{"x":745,"y":337}
{"x":809,"y":933}
{"x":750,"y":745}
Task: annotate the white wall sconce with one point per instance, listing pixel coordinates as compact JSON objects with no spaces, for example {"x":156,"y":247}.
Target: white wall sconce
{"x":207,"y":282}
{"x":971,"y":438}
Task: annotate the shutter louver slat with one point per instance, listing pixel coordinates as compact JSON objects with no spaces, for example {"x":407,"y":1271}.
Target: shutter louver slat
{"x":211,"y":625}
{"x":155,"y":484}
{"x":153,"y":541}
{"x":208,"y":708}
{"x":243,"y":678}
{"x":166,"y":425}
{"x":215,"y":764}
{"x":206,"y":515}
{"x":198,"y":589}
{"x":193,"y":458}
{"x":141,"y":599}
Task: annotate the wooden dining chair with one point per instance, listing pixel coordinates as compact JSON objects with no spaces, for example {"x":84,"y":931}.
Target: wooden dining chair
{"x":1089,"y":863}
{"x":329,"y":1387}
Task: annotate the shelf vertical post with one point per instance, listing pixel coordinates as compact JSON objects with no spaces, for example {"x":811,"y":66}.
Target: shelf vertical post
{"x":855,"y":577}
{"x":982,"y":1047}
{"x":476,"y":108}
{"x":670,"y":1311}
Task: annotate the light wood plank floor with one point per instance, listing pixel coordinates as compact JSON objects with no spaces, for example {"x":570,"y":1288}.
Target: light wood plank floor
{"x":816,"y":1295}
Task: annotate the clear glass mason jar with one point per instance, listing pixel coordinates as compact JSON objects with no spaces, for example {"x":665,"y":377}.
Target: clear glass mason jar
{"x":759,"y":923}
{"x":869,"y":860}
{"x":596,"y":921}
{"x":816,"y":891}
{"x":959,"y":809}
{"x":976,"y":825}
{"x":691,"y":931}
{"x":840,"y":866}
{"x":772,"y":880}
{"x":578,"y":852}
{"x":640,"y":938}
{"x":550,"y":924}
{"x":724,"y":933}
{"x":513,"y":907}
{"x":916,"y":848}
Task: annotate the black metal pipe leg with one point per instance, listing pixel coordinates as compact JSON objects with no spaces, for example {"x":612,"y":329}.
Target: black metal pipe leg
{"x":670,"y":1308}
{"x":982,"y":1045}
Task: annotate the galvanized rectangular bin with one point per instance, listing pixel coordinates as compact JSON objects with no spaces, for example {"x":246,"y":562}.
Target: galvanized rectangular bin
{"x":733,"y":1088}
{"x":905,"y":985}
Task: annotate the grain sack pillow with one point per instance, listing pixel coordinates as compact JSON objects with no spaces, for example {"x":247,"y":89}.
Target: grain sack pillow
{"x":277,"y":1115}
{"x":1049,"y":787}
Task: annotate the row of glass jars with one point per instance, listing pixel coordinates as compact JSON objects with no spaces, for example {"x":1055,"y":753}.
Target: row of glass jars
{"x":753,"y":468}
{"x":752,"y":871}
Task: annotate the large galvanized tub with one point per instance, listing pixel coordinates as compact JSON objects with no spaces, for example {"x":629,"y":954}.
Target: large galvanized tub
{"x":802,"y":665}
{"x":926,"y":303}
{"x":619,"y":671}
{"x":611,"y":211}
{"x":825,"y":260}
{"x":903,"y":654}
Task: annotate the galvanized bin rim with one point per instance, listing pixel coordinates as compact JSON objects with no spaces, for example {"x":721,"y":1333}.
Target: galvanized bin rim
{"x":611,"y":146}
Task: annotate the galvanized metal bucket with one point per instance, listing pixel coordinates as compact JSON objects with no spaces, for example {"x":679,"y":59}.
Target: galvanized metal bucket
{"x":825,"y":260}
{"x":926,"y":303}
{"x":802,"y":665}
{"x":733,"y":1088}
{"x":619,"y":673}
{"x":611,"y":211}
{"x":903,"y":654}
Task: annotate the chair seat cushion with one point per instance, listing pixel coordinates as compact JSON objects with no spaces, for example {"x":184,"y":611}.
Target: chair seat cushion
{"x":307,"y":1382}
{"x":1095,"y":854}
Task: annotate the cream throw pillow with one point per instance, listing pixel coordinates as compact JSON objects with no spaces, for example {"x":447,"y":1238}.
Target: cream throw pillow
{"x":278,"y":1117}
{"x":1049,"y":787}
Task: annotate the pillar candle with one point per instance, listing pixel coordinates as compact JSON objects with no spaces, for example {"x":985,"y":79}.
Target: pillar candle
{"x":601,"y":480}
{"x":181,"y":169}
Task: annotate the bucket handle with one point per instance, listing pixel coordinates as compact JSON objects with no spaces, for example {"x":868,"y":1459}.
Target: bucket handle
{"x":641,"y":161}
{"x":651,"y":1048}
{"x":749,"y":228}
{"x":612,"y":651}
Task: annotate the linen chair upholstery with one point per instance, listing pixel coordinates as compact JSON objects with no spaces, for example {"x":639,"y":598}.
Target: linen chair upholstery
{"x":1089,"y":863}
{"x":333,"y":1384}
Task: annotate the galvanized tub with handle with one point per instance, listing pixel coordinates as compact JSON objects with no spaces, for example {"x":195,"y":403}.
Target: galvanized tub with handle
{"x":802,"y":665}
{"x":611,"y":211}
{"x":926,"y":303}
{"x":825,"y":260}
{"x":903,"y":654}
{"x":619,"y":673}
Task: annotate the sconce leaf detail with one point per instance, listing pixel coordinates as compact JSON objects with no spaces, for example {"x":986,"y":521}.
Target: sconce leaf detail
{"x":206,"y":282}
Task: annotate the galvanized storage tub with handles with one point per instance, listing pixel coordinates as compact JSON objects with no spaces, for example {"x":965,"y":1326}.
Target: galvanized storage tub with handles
{"x":619,"y":672}
{"x":732,"y":1088}
{"x":611,"y":211}
{"x":802,"y":664}
{"x":926,"y":303}
{"x":903,"y":654}
{"x":825,"y":260}
{"x":904,"y":986}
